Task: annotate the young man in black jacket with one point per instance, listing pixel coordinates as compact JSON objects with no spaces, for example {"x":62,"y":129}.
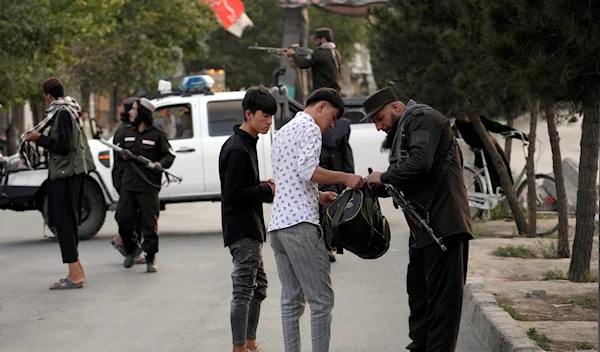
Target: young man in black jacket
{"x":242,"y":195}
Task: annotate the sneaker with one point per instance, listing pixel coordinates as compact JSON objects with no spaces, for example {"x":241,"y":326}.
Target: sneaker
{"x":132,"y":258}
{"x":151,"y":265}
{"x":258,"y":349}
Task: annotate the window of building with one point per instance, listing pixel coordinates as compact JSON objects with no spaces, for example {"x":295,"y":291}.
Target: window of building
{"x":176,"y":121}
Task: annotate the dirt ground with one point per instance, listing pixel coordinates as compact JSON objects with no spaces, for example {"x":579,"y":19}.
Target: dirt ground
{"x":568,"y":311}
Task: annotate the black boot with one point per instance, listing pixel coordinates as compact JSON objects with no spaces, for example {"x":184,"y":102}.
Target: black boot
{"x":151,"y":263}
{"x":131,"y":258}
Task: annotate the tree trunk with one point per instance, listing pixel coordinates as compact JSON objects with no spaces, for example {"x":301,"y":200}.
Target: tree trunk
{"x":85,"y":96}
{"x":585,"y":212}
{"x":510,"y":121}
{"x":561,"y":194}
{"x":531,"y":189}
{"x":507,"y":186}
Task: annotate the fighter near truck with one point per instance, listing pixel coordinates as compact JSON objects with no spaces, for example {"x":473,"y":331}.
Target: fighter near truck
{"x":197,"y":123}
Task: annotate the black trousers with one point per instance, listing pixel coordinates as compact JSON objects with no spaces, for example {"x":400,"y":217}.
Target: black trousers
{"x":435,"y":284}
{"x":146,"y":206}
{"x":65,"y":201}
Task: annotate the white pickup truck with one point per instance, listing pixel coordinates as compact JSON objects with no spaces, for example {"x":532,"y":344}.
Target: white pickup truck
{"x":197,"y":124}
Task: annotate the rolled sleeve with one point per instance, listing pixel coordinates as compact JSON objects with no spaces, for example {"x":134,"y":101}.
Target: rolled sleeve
{"x":309,"y":150}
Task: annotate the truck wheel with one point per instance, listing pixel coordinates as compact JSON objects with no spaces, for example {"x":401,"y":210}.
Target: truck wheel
{"x":93,"y":213}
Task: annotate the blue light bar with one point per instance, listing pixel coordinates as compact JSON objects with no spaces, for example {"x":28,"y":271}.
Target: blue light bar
{"x":196,"y":83}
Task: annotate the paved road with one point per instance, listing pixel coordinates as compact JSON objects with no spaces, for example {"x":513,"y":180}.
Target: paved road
{"x":185,"y":306}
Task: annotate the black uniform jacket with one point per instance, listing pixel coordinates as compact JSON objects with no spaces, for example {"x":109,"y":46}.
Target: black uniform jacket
{"x":119,"y":163}
{"x":242,"y":194}
{"x":429,"y":137}
{"x":325,"y":73}
{"x":470,"y":136}
{"x":151,"y":143}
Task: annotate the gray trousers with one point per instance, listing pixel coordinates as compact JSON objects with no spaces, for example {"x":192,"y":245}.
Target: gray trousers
{"x":304,"y":271}
{"x":249,"y":289}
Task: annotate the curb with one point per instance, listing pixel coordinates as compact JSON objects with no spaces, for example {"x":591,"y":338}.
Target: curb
{"x":498,"y":331}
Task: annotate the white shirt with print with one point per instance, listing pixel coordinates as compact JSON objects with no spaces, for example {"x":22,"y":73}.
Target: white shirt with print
{"x":295,"y":156}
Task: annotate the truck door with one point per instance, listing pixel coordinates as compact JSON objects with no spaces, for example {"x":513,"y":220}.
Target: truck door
{"x":180,"y":122}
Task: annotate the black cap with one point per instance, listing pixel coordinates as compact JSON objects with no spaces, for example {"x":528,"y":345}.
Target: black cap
{"x":378,"y":100}
{"x":324,"y":32}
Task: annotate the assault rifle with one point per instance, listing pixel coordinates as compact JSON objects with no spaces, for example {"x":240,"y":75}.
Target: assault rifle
{"x":281,"y":51}
{"x":143,"y":161}
{"x":412,"y":213}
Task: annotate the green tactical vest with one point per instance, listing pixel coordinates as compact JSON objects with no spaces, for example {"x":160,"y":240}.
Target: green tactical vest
{"x":78,"y":161}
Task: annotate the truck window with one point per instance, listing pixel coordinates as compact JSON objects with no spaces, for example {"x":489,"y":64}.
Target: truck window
{"x":355,"y":115}
{"x":176,"y":121}
{"x":223,"y":115}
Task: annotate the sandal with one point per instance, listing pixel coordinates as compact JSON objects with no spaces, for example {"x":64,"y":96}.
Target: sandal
{"x":65,"y":284}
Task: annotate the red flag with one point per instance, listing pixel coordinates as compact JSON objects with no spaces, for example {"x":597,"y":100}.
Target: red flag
{"x":231,"y":14}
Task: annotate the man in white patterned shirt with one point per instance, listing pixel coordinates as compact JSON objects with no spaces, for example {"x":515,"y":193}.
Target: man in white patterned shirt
{"x":296,"y":235}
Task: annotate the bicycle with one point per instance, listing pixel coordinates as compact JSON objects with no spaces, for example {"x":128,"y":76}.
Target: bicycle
{"x":483,"y":198}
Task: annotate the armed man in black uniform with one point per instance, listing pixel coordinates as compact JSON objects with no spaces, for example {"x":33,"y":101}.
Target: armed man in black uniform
{"x":140,"y":185}
{"x":325,"y":61}
{"x":119,"y":167}
{"x":426,"y":165}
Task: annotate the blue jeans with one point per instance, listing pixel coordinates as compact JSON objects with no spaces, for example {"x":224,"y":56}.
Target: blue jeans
{"x":249,"y":289}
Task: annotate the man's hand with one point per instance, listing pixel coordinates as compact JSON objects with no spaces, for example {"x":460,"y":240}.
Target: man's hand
{"x":374,"y":179}
{"x":326,"y":198}
{"x":32,"y":136}
{"x":271,"y":183}
{"x":288,"y":52}
{"x":354,"y":181}
{"x":125,"y":154}
{"x":158,"y":163}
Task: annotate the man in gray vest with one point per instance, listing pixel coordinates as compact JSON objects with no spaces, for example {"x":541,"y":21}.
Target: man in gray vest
{"x":68,"y":162}
{"x":426,"y":165}
{"x":325,"y":62}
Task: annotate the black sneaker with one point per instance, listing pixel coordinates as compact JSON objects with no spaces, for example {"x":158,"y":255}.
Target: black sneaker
{"x":151,"y":265}
{"x":132,"y":258}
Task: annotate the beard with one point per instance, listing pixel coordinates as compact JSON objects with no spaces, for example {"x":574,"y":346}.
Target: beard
{"x":389,"y":139}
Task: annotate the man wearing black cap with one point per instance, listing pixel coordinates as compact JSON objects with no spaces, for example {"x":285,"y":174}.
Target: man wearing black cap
{"x":426,"y":165}
{"x":325,"y":61}
{"x":140,"y":185}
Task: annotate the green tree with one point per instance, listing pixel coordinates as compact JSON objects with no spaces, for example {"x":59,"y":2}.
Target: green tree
{"x":136,"y":42}
{"x":32,"y":37}
{"x":433,"y":53}
{"x":242,"y":66}
{"x":553,"y":46}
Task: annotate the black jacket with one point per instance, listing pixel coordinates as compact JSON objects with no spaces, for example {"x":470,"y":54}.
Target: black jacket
{"x":151,"y":143}
{"x":325,"y":72}
{"x":470,"y":136}
{"x":118,"y":164}
{"x":242,"y":194}
{"x":427,"y":137}
{"x":336,"y":153}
